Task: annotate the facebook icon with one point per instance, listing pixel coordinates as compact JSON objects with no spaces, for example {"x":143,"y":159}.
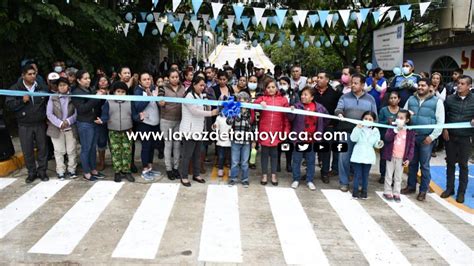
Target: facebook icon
{"x":339,"y":147}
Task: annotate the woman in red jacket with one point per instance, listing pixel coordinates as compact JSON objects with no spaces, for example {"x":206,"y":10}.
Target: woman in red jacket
{"x":271,"y":123}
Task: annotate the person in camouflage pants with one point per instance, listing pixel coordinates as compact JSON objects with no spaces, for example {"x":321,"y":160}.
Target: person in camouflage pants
{"x":121,"y":149}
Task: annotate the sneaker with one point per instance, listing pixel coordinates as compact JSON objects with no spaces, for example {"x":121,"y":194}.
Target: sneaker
{"x":295,"y":184}
{"x":44,"y":178}
{"x":72,"y":175}
{"x":311,"y":186}
{"x":155,"y":173}
{"x":363,"y":195}
{"x":231,"y":183}
{"x":388,"y":196}
{"x":148,"y":176}
{"x":344,"y":188}
{"x":99,"y":175}
{"x":62,"y":177}
{"x":397,"y":199}
{"x":355,"y":196}
{"x":220,"y":173}
{"x":245,"y":184}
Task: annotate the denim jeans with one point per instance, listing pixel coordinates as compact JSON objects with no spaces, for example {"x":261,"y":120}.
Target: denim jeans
{"x":326,"y":158}
{"x":102,"y":137}
{"x":221,"y":152}
{"x":421,"y":160}
{"x":345,"y":163}
{"x":361,"y":174}
{"x":310,"y":157}
{"x":148,"y":145}
{"x":88,"y":133}
{"x":240,"y":155}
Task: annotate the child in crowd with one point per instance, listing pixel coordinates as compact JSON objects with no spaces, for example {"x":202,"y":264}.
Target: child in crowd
{"x":241,"y":148}
{"x":387,"y":115}
{"x":117,"y":114}
{"x":254,"y":94}
{"x":310,"y":125}
{"x":222,"y":145}
{"x":366,"y":138}
{"x":398,"y":152}
{"x":62,"y":130}
{"x":271,"y":123}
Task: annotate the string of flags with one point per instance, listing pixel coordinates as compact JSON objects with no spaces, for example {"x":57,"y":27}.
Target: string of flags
{"x":301,"y":19}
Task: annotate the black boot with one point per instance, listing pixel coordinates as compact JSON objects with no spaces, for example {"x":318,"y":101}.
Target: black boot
{"x":381,"y":180}
{"x":460,"y":198}
{"x":447,"y":193}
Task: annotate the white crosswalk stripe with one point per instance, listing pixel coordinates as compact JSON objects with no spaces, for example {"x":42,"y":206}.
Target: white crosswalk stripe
{"x":221,"y":239}
{"x":5,"y":182}
{"x":467,"y":217}
{"x":64,"y":236}
{"x":448,"y":246}
{"x":377,"y":247}
{"x":220,"y":236}
{"x":17,"y":211}
{"x":298,"y":240}
{"x":143,"y":235}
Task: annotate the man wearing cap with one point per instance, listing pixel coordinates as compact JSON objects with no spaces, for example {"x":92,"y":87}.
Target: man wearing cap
{"x":261,"y":76}
{"x":406,"y":83}
{"x":30,"y":112}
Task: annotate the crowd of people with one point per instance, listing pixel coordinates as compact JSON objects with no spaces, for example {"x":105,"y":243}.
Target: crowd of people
{"x":60,"y":122}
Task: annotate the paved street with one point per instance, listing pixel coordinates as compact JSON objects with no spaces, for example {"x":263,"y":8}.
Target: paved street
{"x":165,"y":223}
{"x":233,"y":52}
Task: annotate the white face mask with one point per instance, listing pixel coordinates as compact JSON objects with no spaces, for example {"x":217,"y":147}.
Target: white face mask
{"x":406,"y":70}
{"x":400,"y":123}
{"x":252,"y":86}
{"x":58,"y":69}
{"x":284,"y":87}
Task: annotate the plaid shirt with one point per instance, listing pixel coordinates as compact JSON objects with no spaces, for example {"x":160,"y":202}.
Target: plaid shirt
{"x":244,"y":125}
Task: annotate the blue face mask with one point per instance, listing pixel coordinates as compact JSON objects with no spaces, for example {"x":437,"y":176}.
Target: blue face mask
{"x":252,"y":86}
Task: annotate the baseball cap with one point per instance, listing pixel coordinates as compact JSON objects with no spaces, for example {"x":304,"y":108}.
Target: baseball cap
{"x":53,"y":76}
{"x":258,"y":66}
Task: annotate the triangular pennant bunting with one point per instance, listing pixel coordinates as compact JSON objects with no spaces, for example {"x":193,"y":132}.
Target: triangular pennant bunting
{"x":177,"y":25}
{"x":176,"y":4}
{"x":160,"y":25}
{"x":302,"y":16}
{"x":376,"y":15}
{"x":196,"y":5}
{"x":292,"y":37}
{"x":323,"y":14}
{"x":404,"y":9}
{"x":351,"y":37}
{"x":341,"y":38}
{"x":311,"y":38}
{"x":238,"y":10}
{"x":213,"y":24}
{"x":229,"y":22}
{"x":195,"y":24}
{"x":143,"y":15}
{"x":245,"y":22}
{"x":272,"y":36}
{"x":364,"y":12}
{"x":258,"y":11}
{"x":142,"y":27}
{"x":155,"y":2}
{"x":205,"y":18}
{"x":345,"y":14}
{"x":216,"y":9}
{"x":281,"y":13}
{"x":186,"y":23}
{"x":329,"y":20}
{"x":126,"y":28}
{"x":181,"y":16}
{"x":383,"y":10}
{"x":313,"y":19}
{"x":264,"y":22}
{"x":250,"y":34}
{"x":332,"y":37}
{"x":296,"y":20}
{"x":359,"y":19}
{"x":423,"y":7}
{"x":156,"y":15}
{"x":391,"y":14}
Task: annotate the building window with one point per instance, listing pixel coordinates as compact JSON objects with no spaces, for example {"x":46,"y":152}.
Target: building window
{"x":446,"y":66}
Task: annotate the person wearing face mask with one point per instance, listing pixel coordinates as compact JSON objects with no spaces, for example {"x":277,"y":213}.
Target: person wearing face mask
{"x":254,"y":94}
{"x":292,"y":98}
{"x":366,"y":138}
{"x":426,"y":109}
{"x":406,"y":83}
{"x":397,"y":153}
{"x":345,"y":86}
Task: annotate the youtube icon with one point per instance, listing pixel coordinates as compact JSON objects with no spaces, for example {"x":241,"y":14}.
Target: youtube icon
{"x":321,"y":147}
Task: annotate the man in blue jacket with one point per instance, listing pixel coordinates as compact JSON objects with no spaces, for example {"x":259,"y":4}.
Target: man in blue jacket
{"x":426,"y":109}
